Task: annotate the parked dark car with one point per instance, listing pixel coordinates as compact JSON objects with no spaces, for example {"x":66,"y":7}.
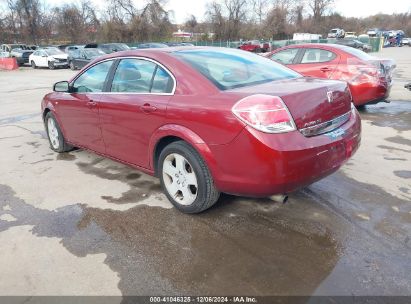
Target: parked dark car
{"x":108,"y":48}
{"x":152,"y":45}
{"x":78,"y":58}
{"x":71,"y":48}
{"x":171,"y":44}
{"x":21,"y":52}
{"x":354,"y":44}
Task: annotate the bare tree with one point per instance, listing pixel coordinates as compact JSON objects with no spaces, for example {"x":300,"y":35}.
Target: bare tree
{"x":216,"y":19}
{"x":26,"y":16}
{"x":319,"y":7}
{"x":236,"y":10}
{"x":260,"y":8}
{"x":191,"y":23}
{"x":77,"y":23}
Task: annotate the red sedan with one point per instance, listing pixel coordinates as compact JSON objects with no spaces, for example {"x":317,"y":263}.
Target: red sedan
{"x":205,"y":121}
{"x":369,"y":78}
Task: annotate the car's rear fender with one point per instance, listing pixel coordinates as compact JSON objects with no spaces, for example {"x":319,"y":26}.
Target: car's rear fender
{"x":176,"y":132}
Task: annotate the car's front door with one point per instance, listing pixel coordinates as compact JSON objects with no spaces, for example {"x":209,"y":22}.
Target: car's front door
{"x":82,"y":60}
{"x":41,"y":59}
{"x":316,"y":62}
{"x":78,"y":110}
{"x":135,"y":107}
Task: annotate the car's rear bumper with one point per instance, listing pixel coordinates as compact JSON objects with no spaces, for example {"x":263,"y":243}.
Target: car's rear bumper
{"x":260,"y":164}
{"x":368,"y":93}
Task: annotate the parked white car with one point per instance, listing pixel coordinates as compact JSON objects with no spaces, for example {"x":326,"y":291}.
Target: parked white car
{"x":48,"y":57}
{"x":336,"y":33}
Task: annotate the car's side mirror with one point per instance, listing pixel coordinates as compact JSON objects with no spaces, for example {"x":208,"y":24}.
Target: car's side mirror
{"x":61,"y":86}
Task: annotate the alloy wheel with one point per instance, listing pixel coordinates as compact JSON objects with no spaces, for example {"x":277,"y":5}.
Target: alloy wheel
{"x":53,"y":133}
{"x":180,"y":179}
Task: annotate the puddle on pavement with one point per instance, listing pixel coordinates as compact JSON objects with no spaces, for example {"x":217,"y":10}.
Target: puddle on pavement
{"x":141,"y":185}
{"x":10,"y":120}
{"x":370,"y":200}
{"x":241,"y":246}
{"x":399,"y":140}
{"x":403,"y":173}
{"x":396,"y":114}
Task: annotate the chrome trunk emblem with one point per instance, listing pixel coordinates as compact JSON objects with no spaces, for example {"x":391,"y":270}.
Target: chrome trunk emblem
{"x":330,"y":96}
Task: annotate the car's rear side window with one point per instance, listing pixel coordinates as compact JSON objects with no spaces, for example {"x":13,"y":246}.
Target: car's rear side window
{"x":317,"y":55}
{"x":93,"y":79}
{"x":229,"y":69}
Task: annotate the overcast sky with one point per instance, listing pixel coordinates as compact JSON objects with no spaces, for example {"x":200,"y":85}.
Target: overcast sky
{"x":349,"y":8}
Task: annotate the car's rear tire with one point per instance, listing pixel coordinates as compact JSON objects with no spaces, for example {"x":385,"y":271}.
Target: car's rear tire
{"x":72,"y":66}
{"x":33,"y":64}
{"x":51,"y":65}
{"x":55,"y":136}
{"x":186,"y":179}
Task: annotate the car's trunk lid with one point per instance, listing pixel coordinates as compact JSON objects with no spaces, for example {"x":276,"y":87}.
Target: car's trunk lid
{"x":312,"y":102}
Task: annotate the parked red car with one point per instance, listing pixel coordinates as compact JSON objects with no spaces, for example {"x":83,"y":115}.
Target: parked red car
{"x":369,"y":78}
{"x":255,"y":46}
{"x":205,"y":121}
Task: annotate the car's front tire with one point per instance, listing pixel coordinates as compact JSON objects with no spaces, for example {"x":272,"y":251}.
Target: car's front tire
{"x":33,"y":64}
{"x":185,"y":178}
{"x":72,"y":66}
{"x":51,"y":65}
{"x":55,"y":136}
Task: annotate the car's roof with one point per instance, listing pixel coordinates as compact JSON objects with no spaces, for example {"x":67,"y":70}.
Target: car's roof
{"x":318,"y":45}
{"x":153,"y":51}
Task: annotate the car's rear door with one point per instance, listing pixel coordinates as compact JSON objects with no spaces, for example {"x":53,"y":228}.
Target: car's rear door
{"x":317,"y":62}
{"x":78,"y":110}
{"x":134,"y":108}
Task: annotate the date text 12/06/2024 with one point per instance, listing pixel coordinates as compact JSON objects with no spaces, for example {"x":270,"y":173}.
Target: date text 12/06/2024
{"x":198,"y":299}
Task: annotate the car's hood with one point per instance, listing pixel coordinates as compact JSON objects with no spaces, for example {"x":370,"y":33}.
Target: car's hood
{"x":62,"y":56}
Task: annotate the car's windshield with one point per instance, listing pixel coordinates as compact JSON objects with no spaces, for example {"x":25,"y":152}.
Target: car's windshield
{"x":93,"y":52}
{"x":229,"y":69}
{"x":17,"y":47}
{"x":115,"y":47}
{"x":53,"y":52}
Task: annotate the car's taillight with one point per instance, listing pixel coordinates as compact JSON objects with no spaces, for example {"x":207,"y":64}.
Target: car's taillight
{"x":265,"y":113}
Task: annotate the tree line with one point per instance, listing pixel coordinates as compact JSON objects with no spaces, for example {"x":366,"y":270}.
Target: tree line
{"x":33,"y":21}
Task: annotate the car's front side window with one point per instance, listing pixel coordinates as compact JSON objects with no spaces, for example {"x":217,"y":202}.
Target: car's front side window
{"x":286,"y":56}
{"x":93,"y":79}
{"x":134,"y":76}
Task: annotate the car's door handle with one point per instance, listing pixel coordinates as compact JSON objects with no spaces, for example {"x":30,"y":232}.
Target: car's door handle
{"x":91,"y":104}
{"x":325,"y":69}
{"x":147,"y":108}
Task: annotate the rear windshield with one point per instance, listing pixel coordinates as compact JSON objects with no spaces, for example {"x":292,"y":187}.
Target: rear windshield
{"x":358,"y":53}
{"x":229,"y":69}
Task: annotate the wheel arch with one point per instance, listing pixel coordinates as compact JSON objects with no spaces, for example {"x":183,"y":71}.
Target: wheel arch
{"x":171,"y":133}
